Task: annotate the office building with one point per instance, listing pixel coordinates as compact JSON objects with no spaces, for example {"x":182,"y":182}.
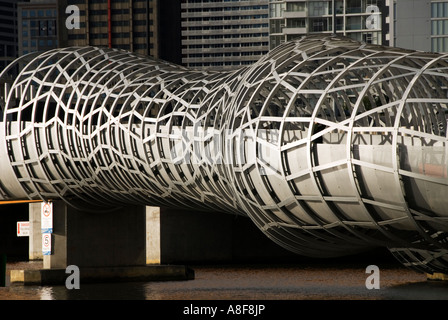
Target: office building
{"x":37,"y":21}
{"x":421,"y":25}
{"x":124,"y":24}
{"x":8,"y":32}
{"x":223,"y":34}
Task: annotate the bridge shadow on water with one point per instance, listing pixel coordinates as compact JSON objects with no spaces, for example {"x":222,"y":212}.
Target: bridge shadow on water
{"x":238,"y":283}
{"x":305,"y":279}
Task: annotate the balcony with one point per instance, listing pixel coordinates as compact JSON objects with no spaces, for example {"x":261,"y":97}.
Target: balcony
{"x":301,"y":30}
{"x":294,"y":14}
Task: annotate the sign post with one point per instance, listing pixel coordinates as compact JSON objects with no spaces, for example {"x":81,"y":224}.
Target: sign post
{"x":46,"y":227}
{"x":23,"y":228}
{"x":46,"y":244}
{"x":47,"y":217}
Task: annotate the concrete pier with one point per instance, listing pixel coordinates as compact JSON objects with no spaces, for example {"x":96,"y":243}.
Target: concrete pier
{"x":86,"y":239}
{"x":35,"y":239}
{"x":105,"y":247}
{"x":142,"y":243}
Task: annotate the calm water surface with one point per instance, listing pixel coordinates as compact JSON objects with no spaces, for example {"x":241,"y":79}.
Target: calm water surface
{"x":250,"y":282}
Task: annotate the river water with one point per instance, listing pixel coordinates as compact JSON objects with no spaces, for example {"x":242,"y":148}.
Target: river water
{"x":298,"y":281}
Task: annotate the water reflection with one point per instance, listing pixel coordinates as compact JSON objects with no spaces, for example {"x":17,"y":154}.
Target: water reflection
{"x":427,"y":290}
{"x":97,"y":291}
{"x":178,"y":291}
{"x":252,"y":283}
{"x":46,"y":293}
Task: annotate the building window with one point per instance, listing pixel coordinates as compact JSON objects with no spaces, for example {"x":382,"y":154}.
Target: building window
{"x":318,"y":8}
{"x":439,"y":10}
{"x":439,"y":27}
{"x":295,"y":6}
{"x":296,"y":23}
{"x":439,"y":44}
{"x":319,"y":25}
{"x":43,"y":28}
{"x":277,"y":10}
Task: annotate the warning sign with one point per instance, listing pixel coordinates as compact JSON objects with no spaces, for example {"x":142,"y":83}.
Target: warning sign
{"x":23,"y":228}
{"x":46,"y":244}
{"x":47,"y":217}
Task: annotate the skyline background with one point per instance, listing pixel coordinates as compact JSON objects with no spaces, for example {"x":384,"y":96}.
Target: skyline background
{"x":216,"y":34}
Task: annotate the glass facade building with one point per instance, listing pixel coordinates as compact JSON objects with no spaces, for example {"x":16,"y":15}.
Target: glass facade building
{"x":362,"y":20}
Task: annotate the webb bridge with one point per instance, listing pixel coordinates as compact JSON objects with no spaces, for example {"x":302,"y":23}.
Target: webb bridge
{"x":330,"y":146}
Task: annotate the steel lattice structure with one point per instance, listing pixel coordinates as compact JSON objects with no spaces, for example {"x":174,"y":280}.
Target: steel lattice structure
{"x":329,"y":145}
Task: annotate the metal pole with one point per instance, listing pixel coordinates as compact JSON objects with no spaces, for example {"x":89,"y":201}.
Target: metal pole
{"x":109,"y":24}
{"x":334,"y":16}
{"x":2,"y":270}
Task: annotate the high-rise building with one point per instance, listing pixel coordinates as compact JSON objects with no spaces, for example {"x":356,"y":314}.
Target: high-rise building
{"x":8,"y":32}
{"x":37,"y":21}
{"x":420,"y":25}
{"x":125,"y":24}
{"x":224,"y":34}
{"x":362,"y":20}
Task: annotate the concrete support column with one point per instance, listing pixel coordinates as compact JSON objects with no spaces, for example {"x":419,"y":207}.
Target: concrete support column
{"x":35,"y":238}
{"x":139,"y":235}
{"x":86,"y":239}
{"x":153,"y":252}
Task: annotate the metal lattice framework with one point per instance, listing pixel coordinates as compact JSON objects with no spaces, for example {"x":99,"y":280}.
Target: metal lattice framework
{"x":329,"y":145}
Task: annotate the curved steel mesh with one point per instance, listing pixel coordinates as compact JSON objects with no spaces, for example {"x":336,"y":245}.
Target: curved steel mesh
{"x":329,"y":145}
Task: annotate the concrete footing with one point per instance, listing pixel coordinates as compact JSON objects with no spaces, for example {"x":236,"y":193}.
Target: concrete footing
{"x":111,"y":274}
